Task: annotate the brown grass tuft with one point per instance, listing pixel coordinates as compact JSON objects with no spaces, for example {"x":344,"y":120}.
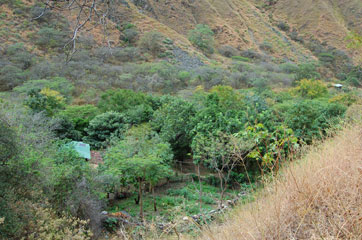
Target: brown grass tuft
{"x":318,"y":197}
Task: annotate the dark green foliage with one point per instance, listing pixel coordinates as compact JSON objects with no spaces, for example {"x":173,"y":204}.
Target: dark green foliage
{"x":39,"y":101}
{"x":8,"y":143}
{"x":138,"y":114}
{"x":104,"y":127}
{"x":202,"y":37}
{"x":79,"y":116}
{"x":122,"y":100}
{"x":307,"y":71}
{"x":173,"y":121}
{"x":310,"y":118}
{"x":283,"y":26}
{"x":65,"y":129}
{"x":354,"y":77}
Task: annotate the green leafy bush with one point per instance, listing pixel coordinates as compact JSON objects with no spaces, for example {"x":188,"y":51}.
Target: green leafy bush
{"x":152,"y":42}
{"x":121,"y":100}
{"x":307,"y":71}
{"x":45,"y":100}
{"x":59,"y":84}
{"x":203,"y":38}
{"x":10,"y":77}
{"x":48,"y":38}
{"x":310,"y":118}
{"x":79,"y":116}
{"x":104,"y":127}
{"x":311,"y":89}
{"x":141,"y":157}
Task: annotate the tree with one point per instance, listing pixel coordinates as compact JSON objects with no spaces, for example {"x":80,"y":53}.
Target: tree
{"x":209,"y":122}
{"x":87,"y":13}
{"x":173,"y":121}
{"x":217,"y":154}
{"x":138,"y":159}
{"x":104,"y":127}
{"x":203,"y":38}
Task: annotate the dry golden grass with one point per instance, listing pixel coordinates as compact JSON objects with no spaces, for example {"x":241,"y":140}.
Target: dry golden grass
{"x":318,"y":197}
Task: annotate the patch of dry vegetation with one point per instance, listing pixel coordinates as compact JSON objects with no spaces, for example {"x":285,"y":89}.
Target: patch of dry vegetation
{"x":319,"y":197}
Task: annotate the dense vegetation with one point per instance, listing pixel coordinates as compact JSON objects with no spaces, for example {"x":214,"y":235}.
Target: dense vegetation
{"x":177,"y":133}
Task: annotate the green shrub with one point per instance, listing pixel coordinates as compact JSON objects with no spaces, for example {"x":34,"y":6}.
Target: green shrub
{"x":8,"y":143}
{"x":283,"y":26}
{"x":10,"y":77}
{"x":59,"y":84}
{"x":307,"y":71}
{"x":48,"y":38}
{"x":240,"y":58}
{"x":152,"y":43}
{"x":203,"y":38}
{"x":79,"y":116}
{"x":45,"y":100}
{"x":129,"y":35}
{"x":228,"y":51}
{"x":310,"y":118}
{"x":121,"y":100}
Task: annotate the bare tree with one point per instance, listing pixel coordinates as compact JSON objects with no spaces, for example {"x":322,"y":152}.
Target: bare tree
{"x":221,"y":158}
{"x":88,"y":13}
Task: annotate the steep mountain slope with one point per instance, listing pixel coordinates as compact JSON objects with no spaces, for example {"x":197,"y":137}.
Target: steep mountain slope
{"x":329,"y":21}
{"x":243,"y":24}
{"x":235,"y":22}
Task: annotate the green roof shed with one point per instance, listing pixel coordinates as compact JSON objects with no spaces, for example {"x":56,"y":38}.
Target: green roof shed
{"x":83,"y":149}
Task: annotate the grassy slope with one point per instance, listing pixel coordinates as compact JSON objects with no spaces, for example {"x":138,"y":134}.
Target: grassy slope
{"x":236,"y":22}
{"x":319,"y":197}
{"x":326,"y":20}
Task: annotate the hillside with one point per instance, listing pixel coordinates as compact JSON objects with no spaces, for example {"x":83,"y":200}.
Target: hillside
{"x":318,"y":197}
{"x":242,"y":24}
{"x":327,"y":21}
{"x":142,"y":119}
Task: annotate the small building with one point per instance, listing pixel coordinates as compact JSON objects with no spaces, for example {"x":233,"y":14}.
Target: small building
{"x":83,"y":149}
{"x":339,"y":86}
